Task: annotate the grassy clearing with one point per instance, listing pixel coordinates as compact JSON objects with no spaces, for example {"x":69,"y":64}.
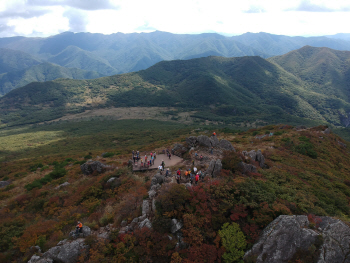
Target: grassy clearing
{"x":76,"y":138}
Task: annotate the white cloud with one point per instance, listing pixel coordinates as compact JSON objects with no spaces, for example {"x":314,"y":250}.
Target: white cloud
{"x":290,"y":17}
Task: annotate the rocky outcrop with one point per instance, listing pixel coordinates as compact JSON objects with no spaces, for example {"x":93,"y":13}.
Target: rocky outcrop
{"x":214,"y":141}
{"x":145,"y":223}
{"x":290,"y":236}
{"x":204,"y":141}
{"x":226,"y":145}
{"x":245,"y":167}
{"x":145,"y":207}
{"x":85,"y":231}
{"x":65,"y":252}
{"x":175,"y":225}
{"x":214,"y":168}
{"x":327,"y":131}
{"x":256,"y":156}
{"x":90,"y":167}
{"x":191,"y":141}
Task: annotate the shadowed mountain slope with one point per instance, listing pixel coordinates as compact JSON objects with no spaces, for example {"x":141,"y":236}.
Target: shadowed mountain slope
{"x":42,"y":72}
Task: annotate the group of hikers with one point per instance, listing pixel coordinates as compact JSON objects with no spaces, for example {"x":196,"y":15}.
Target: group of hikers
{"x":144,"y":162}
{"x":193,"y":175}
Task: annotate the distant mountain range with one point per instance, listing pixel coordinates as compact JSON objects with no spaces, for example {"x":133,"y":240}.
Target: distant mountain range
{"x":308,"y":84}
{"x":121,"y":53}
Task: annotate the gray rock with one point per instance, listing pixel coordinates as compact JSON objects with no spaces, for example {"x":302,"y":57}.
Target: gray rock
{"x":286,"y":235}
{"x":141,"y":218}
{"x":226,"y":145}
{"x":154,"y":205}
{"x":38,"y":259}
{"x":251,"y":154}
{"x":86,"y":231}
{"x":336,"y":245}
{"x":214,"y":141}
{"x":175,"y":225}
{"x":66,"y":253}
{"x":111,"y":180}
{"x":4,"y":183}
{"x":134,"y":222}
{"x":327,"y":131}
{"x":145,"y":207}
{"x":123,"y":223}
{"x":217,"y":168}
{"x":145,"y":223}
{"x":155,"y":187}
{"x":160,"y":178}
{"x":152,"y":193}
{"x":90,"y":167}
{"x":210,"y":168}
{"x":204,"y":141}
{"x":341,"y":144}
{"x":260,"y":158}
{"x":281,"y":239}
{"x":245,"y":167}
{"x":62,"y":185}
{"x":191,"y":141}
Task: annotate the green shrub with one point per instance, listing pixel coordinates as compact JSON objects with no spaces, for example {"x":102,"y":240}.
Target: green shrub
{"x":106,"y":155}
{"x":87,"y":157}
{"x":34,"y":167}
{"x":234,"y":242}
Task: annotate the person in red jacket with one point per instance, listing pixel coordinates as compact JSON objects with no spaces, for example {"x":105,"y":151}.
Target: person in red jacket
{"x":197,"y":178}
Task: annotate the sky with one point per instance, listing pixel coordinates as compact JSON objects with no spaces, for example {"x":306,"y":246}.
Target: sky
{"x":42,"y":18}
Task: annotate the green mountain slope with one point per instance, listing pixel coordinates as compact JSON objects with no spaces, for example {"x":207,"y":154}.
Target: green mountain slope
{"x":74,"y":57}
{"x":325,"y":71}
{"x":15,"y":60}
{"x":42,"y":72}
{"x":225,"y":89}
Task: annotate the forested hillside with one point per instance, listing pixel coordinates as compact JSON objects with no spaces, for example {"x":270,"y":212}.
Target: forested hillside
{"x":229,"y":90}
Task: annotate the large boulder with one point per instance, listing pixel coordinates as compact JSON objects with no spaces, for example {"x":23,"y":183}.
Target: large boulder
{"x":214,"y":168}
{"x":90,"y":167}
{"x":145,"y":223}
{"x":145,"y":207}
{"x":289,"y":237}
{"x":217,"y":168}
{"x":260,"y":158}
{"x":65,"y":252}
{"x":191,"y":141}
{"x":214,"y":141}
{"x":85,"y":231}
{"x":175,"y":225}
{"x":204,"y":141}
{"x":226,"y":145}
{"x":245,"y":167}
{"x":210,"y":168}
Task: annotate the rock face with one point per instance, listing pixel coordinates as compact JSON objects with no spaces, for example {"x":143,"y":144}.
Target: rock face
{"x":245,"y":167}
{"x":214,"y":141}
{"x":86,"y":231}
{"x":226,"y":145}
{"x":145,"y":207}
{"x":175,"y":225}
{"x":256,"y":156}
{"x":89,"y":167}
{"x":204,"y":141}
{"x":65,"y":251}
{"x":214,"y":168}
{"x":191,"y":141}
{"x":287,"y":236}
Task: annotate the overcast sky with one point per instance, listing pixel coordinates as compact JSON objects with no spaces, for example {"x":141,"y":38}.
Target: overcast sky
{"x":232,"y":17}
